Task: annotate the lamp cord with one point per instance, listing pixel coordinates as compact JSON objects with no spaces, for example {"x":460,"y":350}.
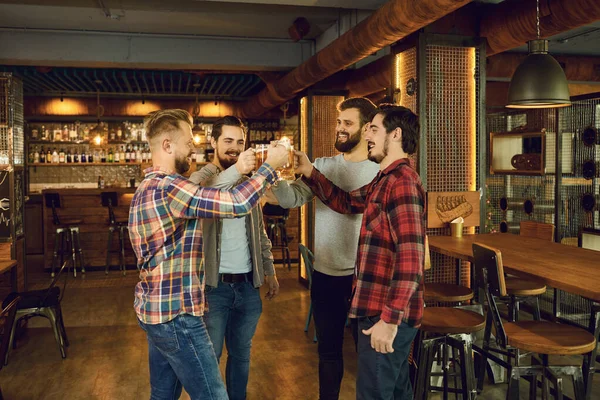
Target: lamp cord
{"x":537,"y":14}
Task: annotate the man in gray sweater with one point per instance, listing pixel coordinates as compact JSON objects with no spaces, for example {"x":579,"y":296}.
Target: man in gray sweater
{"x":336,"y":237}
{"x":237,"y":259}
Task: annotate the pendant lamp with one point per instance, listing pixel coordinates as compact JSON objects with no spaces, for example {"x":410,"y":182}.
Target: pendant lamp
{"x":539,"y":81}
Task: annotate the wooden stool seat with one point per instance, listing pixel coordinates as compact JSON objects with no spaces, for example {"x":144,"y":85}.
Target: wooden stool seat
{"x":450,"y":320}
{"x":516,"y":286}
{"x":549,"y":338}
{"x":446,"y":292}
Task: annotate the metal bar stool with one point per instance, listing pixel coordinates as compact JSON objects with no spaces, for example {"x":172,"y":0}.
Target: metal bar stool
{"x":110,"y":199}
{"x":67,"y":239}
{"x":539,"y":337}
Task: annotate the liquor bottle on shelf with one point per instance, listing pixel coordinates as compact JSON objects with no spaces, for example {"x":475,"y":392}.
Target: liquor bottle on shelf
{"x":30,"y":156}
{"x":35,"y":133}
{"x":83,"y":156}
{"x":91,"y":157}
{"x":119,"y":133}
{"x":49,"y":156}
{"x":72,"y":133}
{"x":127,"y":154}
{"x":116,"y":155}
{"x":45,"y":133}
{"x":110,"y":157}
{"x":61,"y":156}
{"x":133,"y":155}
{"x":57,"y":133}
{"x":36,"y":156}
{"x":69,"y":157}
{"x":76,"y":156}
{"x":102,"y":156}
{"x":122,"y":154}
{"x":86,"y":132}
{"x":55,"y":156}
{"x":138,"y":153}
{"x":113,"y":135}
{"x":42,"y":156}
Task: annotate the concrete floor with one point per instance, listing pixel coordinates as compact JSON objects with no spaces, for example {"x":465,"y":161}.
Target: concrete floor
{"x":107,"y":358}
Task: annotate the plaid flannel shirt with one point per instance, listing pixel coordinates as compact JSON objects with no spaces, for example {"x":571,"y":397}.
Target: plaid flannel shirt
{"x":165,"y":233}
{"x":391,"y":246}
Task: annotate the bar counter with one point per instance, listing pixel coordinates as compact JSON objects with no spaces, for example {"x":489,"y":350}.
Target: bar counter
{"x":85,"y":204}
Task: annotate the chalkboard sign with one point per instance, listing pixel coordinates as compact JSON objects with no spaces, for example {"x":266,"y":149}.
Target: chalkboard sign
{"x":5,"y":212}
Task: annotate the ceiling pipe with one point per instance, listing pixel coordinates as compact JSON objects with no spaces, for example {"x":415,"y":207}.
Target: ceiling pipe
{"x":512,"y":23}
{"x":393,"y":21}
{"x":506,"y":26}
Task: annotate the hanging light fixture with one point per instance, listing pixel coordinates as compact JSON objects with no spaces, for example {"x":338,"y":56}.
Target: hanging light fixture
{"x":97,"y":132}
{"x":539,"y":81}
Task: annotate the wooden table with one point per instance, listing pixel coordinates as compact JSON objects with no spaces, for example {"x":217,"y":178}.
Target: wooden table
{"x":7,"y":265}
{"x":572,"y":269}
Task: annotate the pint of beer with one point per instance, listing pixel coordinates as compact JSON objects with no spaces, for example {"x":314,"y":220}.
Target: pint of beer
{"x":287,"y":171}
{"x":260,"y":150}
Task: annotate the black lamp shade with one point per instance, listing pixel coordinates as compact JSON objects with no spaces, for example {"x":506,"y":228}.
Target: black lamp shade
{"x":539,"y":81}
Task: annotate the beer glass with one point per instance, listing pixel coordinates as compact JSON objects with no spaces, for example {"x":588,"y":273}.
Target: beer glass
{"x":260,"y":151}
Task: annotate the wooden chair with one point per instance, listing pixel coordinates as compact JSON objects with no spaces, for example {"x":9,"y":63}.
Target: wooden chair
{"x":523,"y":289}
{"x":541,"y":337}
{"x":308,"y":258}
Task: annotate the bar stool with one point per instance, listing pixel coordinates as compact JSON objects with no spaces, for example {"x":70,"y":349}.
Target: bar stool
{"x":451,"y":329}
{"x":541,"y":337}
{"x":276,"y":218}
{"x":439,"y":292}
{"x":67,"y":240}
{"x":110,"y":199}
{"x":521,"y":289}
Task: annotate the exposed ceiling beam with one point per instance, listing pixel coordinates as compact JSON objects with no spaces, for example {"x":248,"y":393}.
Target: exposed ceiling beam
{"x":50,"y":47}
{"x":393,"y":21}
{"x":512,"y":23}
{"x":505,"y":20}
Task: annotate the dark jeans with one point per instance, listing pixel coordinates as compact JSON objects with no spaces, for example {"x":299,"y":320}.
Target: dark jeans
{"x":383,"y":376}
{"x":330,"y":296}
{"x":180,"y":353}
{"x":232,"y":316}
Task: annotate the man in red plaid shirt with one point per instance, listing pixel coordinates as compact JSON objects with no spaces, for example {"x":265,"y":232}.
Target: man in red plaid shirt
{"x":388,"y":302}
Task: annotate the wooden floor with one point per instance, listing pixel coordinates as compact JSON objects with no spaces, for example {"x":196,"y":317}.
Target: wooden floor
{"x":107,"y":358}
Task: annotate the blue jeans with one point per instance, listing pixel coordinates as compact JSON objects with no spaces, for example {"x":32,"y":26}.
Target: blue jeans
{"x":383,"y":376}
{"x":233,"y":313}
{"x":180,"y":353}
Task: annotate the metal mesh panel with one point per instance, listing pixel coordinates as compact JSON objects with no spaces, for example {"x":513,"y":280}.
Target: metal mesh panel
{"x":580,"y":187}
{"x":405,"y":79}
{"x":567,"y":132}
{"x":452,"y":104}
{"x":405,"y":85}
{"x":324,"y":116}
{"x":12,"y":137}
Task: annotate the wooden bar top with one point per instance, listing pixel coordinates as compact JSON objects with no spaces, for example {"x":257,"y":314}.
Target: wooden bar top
{"x":572,"y":269}
{"x":90,"y":191}
{"x":7,"y":265}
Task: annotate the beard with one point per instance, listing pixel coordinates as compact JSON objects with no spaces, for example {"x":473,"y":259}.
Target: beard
{"x":182,"y":165}
{"x":226,"y":160}
{"x":378,"y":158}
{"x":350,"y":143}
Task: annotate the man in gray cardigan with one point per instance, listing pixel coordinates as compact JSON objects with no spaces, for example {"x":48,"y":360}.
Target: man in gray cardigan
{"x":237,"y":259}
